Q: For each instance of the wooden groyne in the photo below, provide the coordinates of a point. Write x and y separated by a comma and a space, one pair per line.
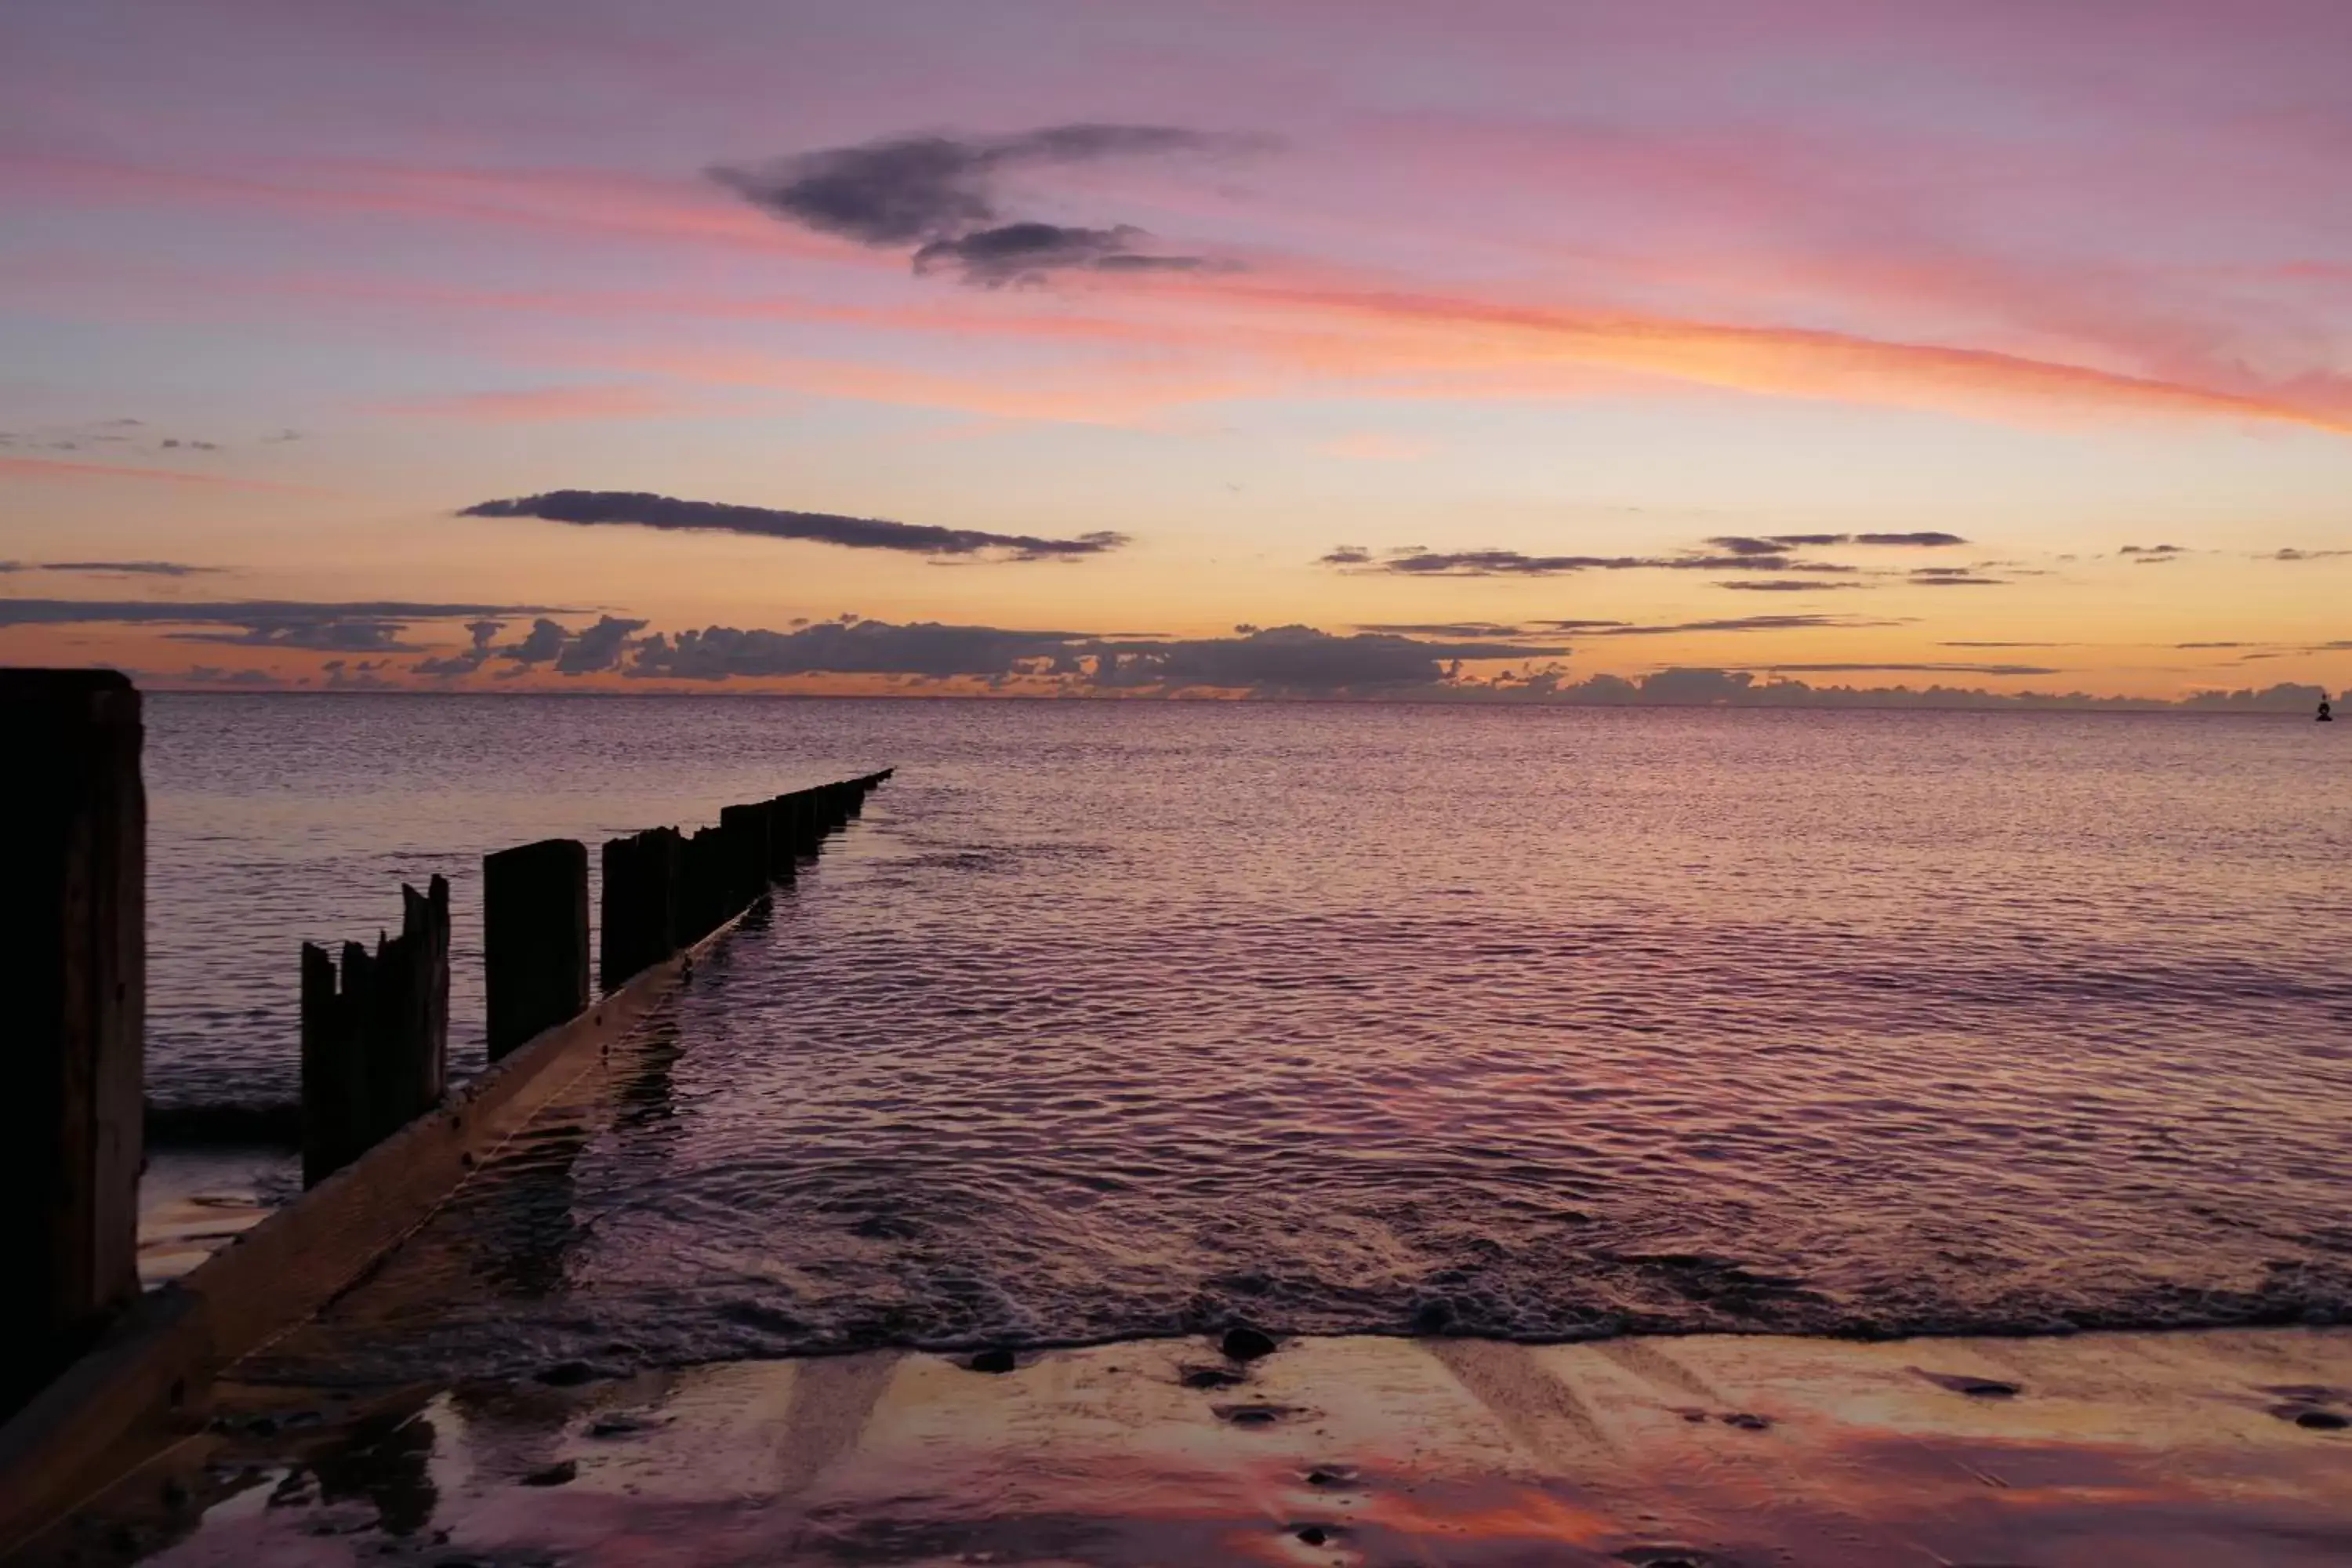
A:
97, 1374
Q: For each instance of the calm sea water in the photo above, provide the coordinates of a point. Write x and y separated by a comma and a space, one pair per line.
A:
1129, 1018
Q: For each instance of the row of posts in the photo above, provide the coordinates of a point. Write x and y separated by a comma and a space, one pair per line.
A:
73, 888
375, 1028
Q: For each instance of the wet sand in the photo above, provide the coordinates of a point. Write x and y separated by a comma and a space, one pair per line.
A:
2220, 1447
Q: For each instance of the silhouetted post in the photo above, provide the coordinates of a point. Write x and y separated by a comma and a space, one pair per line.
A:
640, 908
799, 811
745, 830
73, 854
702, 882
375, 1049
334, 1085
784, 854
534, 939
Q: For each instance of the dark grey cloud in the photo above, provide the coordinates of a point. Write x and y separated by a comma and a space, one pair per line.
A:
638, 510
2291, 553
247, 613
1449, 628
1953, 577
1745, 624
368, 626
1782, 586
1414, 560
597, 648
1018, 252
1295, 660
543, 642
863, 648
938, 198
120, 568
2008, 645
1781, 544
325, 635
483, 634
1917, 669
1683, 687
1300, 660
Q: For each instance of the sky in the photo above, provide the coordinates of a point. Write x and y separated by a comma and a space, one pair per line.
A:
1501, 348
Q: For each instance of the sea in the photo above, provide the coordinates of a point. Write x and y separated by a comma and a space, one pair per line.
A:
1114, 1019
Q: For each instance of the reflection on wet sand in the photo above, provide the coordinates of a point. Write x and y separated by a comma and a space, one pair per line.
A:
2155, 1451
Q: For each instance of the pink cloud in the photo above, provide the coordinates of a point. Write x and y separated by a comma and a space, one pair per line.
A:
543, 405
48, 469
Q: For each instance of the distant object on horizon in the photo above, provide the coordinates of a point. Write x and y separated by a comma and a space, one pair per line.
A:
2326, 714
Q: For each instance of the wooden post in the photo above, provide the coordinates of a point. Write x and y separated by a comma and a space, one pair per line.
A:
705, 885
799, 812
334, 1082
375, 1049
746, 829
640, 909
73, 854
534, 939
784, 856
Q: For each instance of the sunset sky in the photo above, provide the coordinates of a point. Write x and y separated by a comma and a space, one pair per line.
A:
1995, 344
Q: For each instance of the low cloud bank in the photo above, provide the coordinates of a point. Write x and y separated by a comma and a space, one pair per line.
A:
1469, 661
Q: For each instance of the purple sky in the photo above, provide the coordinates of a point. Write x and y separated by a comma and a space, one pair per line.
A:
290, 284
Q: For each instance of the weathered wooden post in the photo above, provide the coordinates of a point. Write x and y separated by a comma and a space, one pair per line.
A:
746, 831
534, 939
334, 1075
783, 857
799, 812
704, 880
73, 861
375, 1048
640, 908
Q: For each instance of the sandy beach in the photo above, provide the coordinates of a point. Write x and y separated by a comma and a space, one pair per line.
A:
2142, 1449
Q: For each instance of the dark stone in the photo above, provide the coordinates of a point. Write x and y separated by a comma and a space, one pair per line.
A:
1244, 1343
1209, 1377
1748, 1423
1331, 1476
553, 1475
1254, 1415
1312, 1534
1974, 1387
568, 1374
2321, 1421
994, 1360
